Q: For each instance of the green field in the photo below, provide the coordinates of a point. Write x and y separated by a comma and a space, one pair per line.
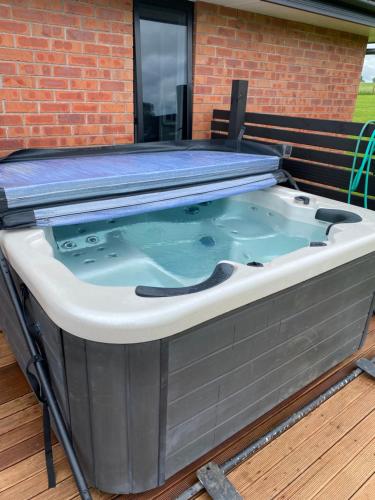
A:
366, 88
365, 105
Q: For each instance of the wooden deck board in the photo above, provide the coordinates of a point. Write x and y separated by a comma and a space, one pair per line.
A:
299, 436
321, 472
21, 417
16, 405
26, 468
12, 384
333, 462
294, 464
38, 483
7, 358
319, 456
352, 477
66, 489
366, 491
19, 434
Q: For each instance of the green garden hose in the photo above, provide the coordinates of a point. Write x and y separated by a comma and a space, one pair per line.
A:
355, 178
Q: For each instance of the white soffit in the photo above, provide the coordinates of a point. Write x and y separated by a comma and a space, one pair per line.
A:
269, 8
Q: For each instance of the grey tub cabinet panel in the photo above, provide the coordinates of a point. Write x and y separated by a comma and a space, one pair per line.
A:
115, 411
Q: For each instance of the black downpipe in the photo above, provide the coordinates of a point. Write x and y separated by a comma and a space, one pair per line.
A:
44, 382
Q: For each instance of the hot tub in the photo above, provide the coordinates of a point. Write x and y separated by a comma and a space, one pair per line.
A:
167, 332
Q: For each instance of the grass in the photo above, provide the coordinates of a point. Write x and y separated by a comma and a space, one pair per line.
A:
364, 111
365, 105
366, 88
364, 108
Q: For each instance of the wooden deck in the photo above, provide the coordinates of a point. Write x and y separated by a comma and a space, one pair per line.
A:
328, 455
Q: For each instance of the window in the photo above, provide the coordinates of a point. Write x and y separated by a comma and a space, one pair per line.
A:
163, 79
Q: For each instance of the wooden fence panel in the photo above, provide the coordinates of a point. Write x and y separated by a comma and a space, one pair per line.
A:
322, 153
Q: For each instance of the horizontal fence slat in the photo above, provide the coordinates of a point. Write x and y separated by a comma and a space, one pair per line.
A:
297, 137
217, 135
338, 159
337, 177
333, 194
298, 122
291, 136
220, 114
303, 123
219, 126
304, 153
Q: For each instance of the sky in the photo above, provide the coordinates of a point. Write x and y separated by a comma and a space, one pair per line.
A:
368, 71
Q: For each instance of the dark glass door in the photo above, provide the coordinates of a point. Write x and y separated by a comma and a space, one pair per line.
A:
163, 38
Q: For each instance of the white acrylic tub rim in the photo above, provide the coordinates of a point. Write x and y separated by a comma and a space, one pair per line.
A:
118, 315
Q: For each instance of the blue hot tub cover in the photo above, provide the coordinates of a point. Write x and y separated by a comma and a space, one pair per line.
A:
66, 186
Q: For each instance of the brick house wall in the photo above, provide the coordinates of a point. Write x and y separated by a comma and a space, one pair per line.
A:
66, 73
66, 69
292, 68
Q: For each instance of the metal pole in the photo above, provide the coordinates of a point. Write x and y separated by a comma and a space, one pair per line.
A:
237, 108
53, 407
277, 431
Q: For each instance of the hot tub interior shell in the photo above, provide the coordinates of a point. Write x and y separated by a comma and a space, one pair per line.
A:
140, 412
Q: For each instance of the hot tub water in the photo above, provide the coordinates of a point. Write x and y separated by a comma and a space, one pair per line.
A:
180, 246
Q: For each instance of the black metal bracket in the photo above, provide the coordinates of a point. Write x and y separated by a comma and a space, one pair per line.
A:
216, 484
366, 366
290, 179
287, 150
241, 133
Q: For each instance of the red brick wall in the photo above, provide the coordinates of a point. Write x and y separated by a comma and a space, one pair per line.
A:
292, 68
66, 73
66, 69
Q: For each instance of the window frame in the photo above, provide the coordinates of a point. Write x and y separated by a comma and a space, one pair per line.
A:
187, 7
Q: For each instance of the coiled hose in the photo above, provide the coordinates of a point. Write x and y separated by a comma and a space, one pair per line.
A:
355, 177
